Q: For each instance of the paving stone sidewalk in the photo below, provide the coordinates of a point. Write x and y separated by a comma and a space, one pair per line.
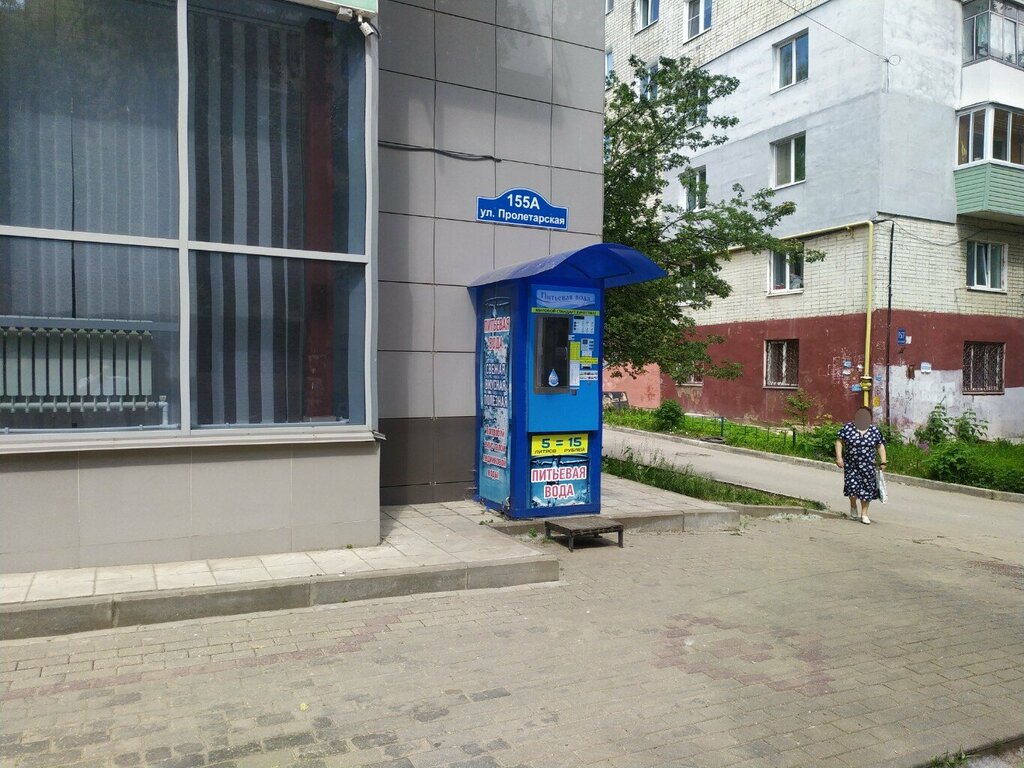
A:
424, 535
791, 644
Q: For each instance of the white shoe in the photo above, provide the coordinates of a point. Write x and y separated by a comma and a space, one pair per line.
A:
864, 519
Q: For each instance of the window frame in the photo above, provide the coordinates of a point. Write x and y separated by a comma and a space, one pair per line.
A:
771, 289
609, 64
261, 434
704, 17
777, 58
1002, 373
995, 23
970, 259
1014, 125
785, 363
609, 6
791, 141
653, 13
696, 193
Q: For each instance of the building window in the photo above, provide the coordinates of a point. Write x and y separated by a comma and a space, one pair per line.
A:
698, 17
88, 336
785, 273
275, 340
697, 190
609, 6
1008, 136
994, 29
971, 137
649, 86
96, 260
782, 363
983, 367
792, 61
646, 13
790, 160
986, 266
609, 64
695, 379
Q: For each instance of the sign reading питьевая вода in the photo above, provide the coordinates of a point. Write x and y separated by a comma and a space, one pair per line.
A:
523, 208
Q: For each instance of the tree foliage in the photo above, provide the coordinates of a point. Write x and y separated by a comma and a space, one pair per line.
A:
651, 125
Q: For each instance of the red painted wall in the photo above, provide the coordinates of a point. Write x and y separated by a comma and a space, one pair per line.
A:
825, 342
643, 392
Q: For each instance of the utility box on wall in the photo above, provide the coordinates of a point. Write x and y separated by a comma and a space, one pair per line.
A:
539, 330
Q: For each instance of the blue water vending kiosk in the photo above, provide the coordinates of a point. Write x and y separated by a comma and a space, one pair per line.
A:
539, 378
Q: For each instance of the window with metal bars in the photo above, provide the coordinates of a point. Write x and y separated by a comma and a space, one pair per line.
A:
983, 366
782, 363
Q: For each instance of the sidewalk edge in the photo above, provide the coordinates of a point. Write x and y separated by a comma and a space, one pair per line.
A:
43, 618
921, 482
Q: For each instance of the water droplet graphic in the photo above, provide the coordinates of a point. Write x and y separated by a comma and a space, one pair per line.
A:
552, 378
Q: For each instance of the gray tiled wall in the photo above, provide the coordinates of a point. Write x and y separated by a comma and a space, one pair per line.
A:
519, 80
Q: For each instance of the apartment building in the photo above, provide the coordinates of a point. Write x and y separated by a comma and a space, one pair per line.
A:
898, 131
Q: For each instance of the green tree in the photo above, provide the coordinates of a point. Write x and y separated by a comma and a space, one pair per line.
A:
651, 124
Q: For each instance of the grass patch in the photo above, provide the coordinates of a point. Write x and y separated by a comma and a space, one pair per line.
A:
690, 483
998, 465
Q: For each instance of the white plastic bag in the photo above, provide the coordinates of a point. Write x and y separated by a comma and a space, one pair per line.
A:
883, 494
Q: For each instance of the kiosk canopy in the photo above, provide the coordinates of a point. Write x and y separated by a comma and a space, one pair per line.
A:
608, 265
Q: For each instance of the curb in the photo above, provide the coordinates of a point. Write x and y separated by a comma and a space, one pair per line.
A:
921, 482
997, 748
690, 521
83, 614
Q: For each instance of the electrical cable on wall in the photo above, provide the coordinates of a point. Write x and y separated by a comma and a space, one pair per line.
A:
443, 152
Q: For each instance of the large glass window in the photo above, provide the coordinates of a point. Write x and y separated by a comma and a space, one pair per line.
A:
88, 335
90, 137
88, 116
994, 29
276, 340
277, 145
782, 363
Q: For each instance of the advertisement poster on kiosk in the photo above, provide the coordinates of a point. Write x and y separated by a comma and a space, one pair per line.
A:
495, 392
559, 470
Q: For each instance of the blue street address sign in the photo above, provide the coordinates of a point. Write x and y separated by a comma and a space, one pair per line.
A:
522, 208
901, 337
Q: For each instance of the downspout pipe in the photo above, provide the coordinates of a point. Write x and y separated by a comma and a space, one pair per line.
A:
866, 379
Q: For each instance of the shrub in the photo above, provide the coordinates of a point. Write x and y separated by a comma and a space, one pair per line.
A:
969, 427
799, 406
822, 441
668, 417
951, 463
937, 429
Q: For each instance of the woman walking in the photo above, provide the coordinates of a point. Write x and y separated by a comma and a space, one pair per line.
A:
859, 440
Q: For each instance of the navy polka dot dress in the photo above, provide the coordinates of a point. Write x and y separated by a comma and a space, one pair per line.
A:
859, 461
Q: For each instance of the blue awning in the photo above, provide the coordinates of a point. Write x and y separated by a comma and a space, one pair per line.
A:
609, 264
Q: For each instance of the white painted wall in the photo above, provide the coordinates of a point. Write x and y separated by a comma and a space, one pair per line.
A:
913, 399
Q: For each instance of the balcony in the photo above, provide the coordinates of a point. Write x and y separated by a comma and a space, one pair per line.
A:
990, 190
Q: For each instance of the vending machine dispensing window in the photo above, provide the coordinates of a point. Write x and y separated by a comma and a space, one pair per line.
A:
551, 355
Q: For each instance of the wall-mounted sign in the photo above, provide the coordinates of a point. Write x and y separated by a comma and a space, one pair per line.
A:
926, 367
565, 299
901, 337
522, 208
